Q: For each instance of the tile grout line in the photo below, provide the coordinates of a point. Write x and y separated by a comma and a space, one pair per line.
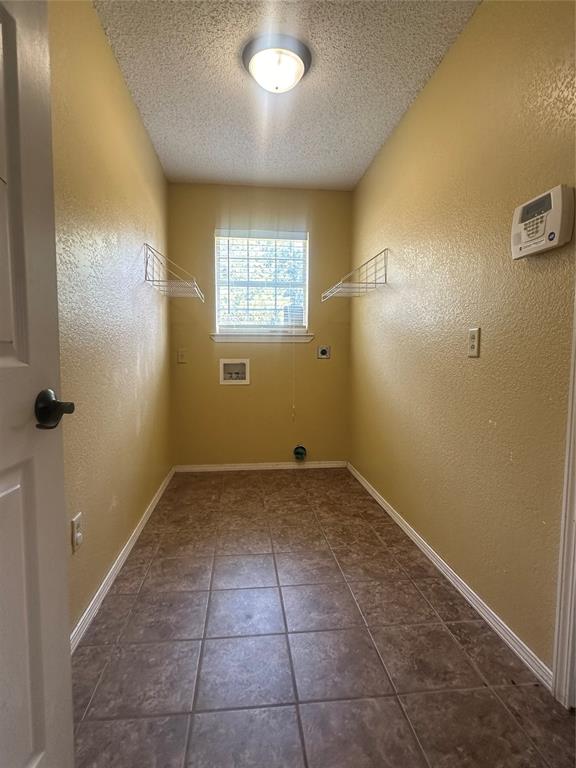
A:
199, 666
520, 725
280, 705
247, 708
392, 683
292, 670
87, 707
320, 630
398, 695
114, 645
187, 737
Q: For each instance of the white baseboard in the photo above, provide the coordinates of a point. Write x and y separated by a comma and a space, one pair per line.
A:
536, 665
96, 601
269, 465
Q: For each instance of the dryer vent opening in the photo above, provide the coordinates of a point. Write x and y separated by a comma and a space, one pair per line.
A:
299, 453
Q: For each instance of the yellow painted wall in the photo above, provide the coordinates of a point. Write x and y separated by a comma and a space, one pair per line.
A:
110, 199
214, 424
470, 451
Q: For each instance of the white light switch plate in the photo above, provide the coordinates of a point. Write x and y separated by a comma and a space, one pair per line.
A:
76, 531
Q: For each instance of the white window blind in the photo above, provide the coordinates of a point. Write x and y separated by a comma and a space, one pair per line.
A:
261, 282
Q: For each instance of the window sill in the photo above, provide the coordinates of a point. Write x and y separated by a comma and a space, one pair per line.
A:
262, 338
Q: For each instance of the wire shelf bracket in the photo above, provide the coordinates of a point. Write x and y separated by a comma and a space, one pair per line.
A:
365, 278
168, 278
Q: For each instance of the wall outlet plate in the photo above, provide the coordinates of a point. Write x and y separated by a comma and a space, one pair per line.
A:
323, 352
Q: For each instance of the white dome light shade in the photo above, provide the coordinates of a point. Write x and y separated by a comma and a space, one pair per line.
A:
276, 69
277, 62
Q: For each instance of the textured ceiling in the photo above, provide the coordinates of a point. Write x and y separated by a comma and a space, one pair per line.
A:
210, 122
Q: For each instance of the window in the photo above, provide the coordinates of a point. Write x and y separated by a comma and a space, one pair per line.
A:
261, 282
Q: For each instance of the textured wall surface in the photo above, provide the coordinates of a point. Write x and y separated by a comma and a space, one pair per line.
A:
110, 199
470, 451
226, 424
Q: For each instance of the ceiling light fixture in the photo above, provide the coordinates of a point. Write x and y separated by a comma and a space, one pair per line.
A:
277, 62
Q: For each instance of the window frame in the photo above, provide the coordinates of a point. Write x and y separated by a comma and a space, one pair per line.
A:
262, 333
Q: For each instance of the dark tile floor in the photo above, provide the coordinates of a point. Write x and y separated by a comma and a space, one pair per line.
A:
282, 620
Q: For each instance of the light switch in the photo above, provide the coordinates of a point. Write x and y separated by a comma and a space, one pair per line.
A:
76, 531
473, 342
182, 355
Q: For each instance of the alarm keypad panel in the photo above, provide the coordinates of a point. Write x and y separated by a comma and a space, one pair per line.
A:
543, 223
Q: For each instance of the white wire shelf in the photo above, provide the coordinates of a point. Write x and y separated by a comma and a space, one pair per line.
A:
365, 278
168, 278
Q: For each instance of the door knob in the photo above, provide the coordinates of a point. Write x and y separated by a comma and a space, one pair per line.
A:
49, 410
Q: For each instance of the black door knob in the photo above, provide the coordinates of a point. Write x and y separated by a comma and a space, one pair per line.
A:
49, 410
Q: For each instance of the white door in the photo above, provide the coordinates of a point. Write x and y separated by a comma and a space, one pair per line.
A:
35, 698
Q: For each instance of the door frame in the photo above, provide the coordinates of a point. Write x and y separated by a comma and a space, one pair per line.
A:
564, 663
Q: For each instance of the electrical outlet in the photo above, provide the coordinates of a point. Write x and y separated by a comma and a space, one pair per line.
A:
182, 355
76, 531
473, 342
323, 352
